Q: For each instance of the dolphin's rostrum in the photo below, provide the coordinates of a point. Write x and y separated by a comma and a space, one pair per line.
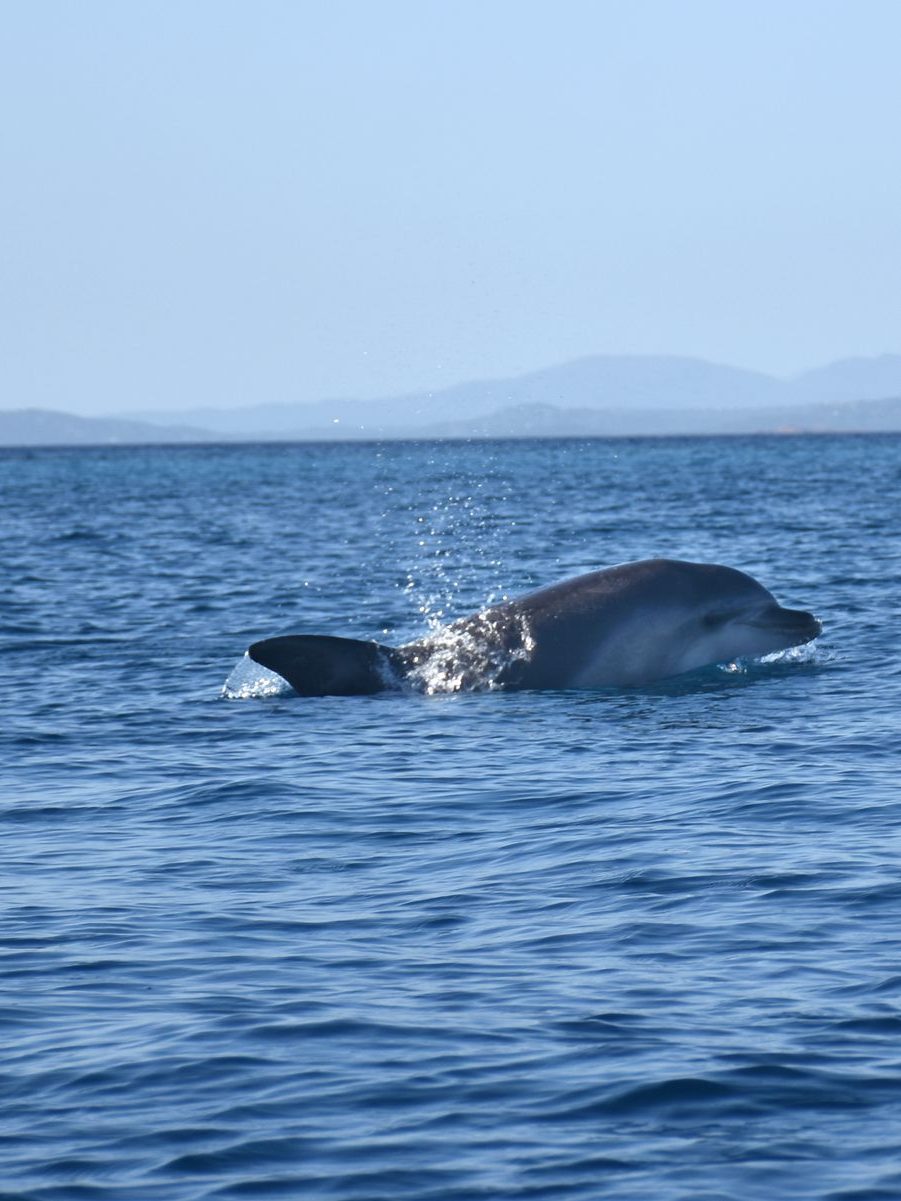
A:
621, 627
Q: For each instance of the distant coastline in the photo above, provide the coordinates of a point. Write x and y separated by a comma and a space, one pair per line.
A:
601, 397
93, 434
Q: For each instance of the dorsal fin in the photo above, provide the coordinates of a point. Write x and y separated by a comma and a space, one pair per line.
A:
320, 665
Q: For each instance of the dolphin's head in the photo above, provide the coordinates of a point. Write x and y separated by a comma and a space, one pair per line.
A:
732, 616
629, 625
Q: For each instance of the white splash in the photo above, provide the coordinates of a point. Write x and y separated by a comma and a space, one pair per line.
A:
808, 653
470, 656
248, 680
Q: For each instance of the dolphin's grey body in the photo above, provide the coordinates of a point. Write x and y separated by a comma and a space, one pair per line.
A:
621, 627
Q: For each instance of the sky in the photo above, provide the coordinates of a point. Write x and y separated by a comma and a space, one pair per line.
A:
216, 203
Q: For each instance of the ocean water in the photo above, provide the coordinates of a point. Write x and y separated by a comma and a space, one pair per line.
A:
639, 944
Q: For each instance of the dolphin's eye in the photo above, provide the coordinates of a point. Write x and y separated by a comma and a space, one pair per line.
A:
714, 620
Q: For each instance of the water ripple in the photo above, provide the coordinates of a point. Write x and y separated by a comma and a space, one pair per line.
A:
562, 945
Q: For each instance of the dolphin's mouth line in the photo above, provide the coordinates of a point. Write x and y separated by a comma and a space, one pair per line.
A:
804, 627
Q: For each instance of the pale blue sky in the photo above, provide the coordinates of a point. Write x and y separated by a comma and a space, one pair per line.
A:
230, 203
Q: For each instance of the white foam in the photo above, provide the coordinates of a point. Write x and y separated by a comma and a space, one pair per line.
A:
808, 653
248, 680
471, 658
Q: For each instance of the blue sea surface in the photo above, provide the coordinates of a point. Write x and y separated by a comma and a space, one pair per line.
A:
569, 945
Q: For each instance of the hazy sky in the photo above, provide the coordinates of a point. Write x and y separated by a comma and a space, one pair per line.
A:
226, 203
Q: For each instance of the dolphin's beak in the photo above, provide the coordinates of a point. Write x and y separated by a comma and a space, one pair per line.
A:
796, 624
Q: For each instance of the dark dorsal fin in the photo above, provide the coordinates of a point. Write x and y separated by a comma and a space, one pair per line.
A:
319, 665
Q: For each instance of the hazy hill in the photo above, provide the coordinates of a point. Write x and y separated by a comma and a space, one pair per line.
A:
44, 427
621, 383
598, 396
47, 427
876, 416
849, 379
599, 382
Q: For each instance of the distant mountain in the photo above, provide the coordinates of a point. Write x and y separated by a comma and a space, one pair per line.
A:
599, 382
849, 379
537, 421
549, 421
42, 427
603, 396
46, 427
627, 384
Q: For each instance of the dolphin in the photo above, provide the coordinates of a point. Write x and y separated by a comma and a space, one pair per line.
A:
621, 627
